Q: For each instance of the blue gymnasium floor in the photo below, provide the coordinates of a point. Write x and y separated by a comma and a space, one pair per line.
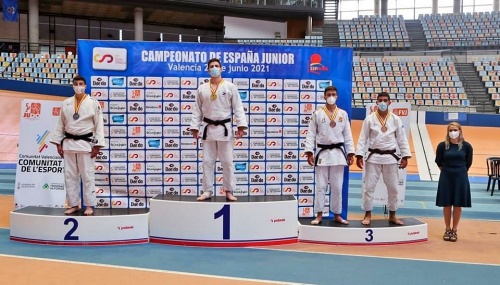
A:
289, 266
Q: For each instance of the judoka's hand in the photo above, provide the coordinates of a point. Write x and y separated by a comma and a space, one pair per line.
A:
60, 150
195, 133
310, 158
95, 151
359, 161
240, 132
404, 163
350, 159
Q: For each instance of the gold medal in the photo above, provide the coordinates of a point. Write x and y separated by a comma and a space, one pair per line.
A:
213, 97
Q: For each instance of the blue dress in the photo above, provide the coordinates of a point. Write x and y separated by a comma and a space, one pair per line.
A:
454, 188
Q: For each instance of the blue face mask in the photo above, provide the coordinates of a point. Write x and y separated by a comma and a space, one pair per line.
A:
382, 106
214, 72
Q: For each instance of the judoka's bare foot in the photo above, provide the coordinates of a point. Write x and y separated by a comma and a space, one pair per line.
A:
88, 211
230, 196
396, 221
367, 219
338, 219
71, 210
206, 195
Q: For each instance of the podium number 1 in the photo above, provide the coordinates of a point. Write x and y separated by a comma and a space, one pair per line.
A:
225, 214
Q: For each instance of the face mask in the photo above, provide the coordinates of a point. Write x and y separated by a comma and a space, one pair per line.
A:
382, 106
454, 134
331, 100
79, 89
215, 72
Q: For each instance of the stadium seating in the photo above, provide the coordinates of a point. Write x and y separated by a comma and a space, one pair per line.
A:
377, 32
430, 81
422, 81
489, 71
41, 68
307, 41
468, 30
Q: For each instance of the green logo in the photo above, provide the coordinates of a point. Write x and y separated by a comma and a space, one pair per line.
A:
45, 186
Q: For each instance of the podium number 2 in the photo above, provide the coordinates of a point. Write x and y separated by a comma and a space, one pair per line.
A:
69, 235
225, 214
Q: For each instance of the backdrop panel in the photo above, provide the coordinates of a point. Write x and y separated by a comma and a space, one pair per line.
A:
147, 90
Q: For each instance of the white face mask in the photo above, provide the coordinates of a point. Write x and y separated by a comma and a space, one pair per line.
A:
214, 72
79, 89
331, 100
382, 106
454, 134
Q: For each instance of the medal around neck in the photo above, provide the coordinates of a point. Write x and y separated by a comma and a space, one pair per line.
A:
76, 116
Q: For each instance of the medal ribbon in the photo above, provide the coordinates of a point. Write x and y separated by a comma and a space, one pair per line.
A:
77, 106
331, 116
214, 92
383, 122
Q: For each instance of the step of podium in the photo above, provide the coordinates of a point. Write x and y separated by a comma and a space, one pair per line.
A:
379, 232
43, 225
250, 221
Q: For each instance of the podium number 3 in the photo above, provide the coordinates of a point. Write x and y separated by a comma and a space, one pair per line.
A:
369, 234
69, 235
225, 214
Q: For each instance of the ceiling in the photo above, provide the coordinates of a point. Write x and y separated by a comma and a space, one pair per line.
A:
201, 14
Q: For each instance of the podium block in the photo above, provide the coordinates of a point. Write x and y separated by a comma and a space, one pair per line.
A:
379, 232
43, 225
250, 221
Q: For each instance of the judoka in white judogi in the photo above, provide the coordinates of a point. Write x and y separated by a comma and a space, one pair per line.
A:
381, 133
216, 103
79, 135
330, 133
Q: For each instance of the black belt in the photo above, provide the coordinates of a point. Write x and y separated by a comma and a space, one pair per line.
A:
85, 137
324, 147
378, 151
216, 123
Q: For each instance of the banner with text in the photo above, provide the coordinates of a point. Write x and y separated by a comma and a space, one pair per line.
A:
40, 169
147, 90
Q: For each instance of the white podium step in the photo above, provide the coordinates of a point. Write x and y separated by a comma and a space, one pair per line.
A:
380, 232
250, 221
42, 225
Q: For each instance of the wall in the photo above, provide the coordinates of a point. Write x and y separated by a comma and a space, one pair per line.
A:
240, 28
297, 27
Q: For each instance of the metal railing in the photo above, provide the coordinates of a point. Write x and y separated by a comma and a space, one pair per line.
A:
304, 3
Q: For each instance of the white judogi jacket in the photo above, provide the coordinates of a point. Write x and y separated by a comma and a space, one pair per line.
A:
228, 101
90, 121
372, 137
320, 132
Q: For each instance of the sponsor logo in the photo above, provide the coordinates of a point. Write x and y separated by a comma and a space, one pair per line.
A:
315, 65
32, 111
109, 58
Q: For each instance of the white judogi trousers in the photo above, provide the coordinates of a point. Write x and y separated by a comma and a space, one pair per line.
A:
333, 175
76, 165
389, 175
224, 151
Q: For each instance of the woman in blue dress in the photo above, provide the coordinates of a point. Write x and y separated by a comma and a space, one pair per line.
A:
454, 158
